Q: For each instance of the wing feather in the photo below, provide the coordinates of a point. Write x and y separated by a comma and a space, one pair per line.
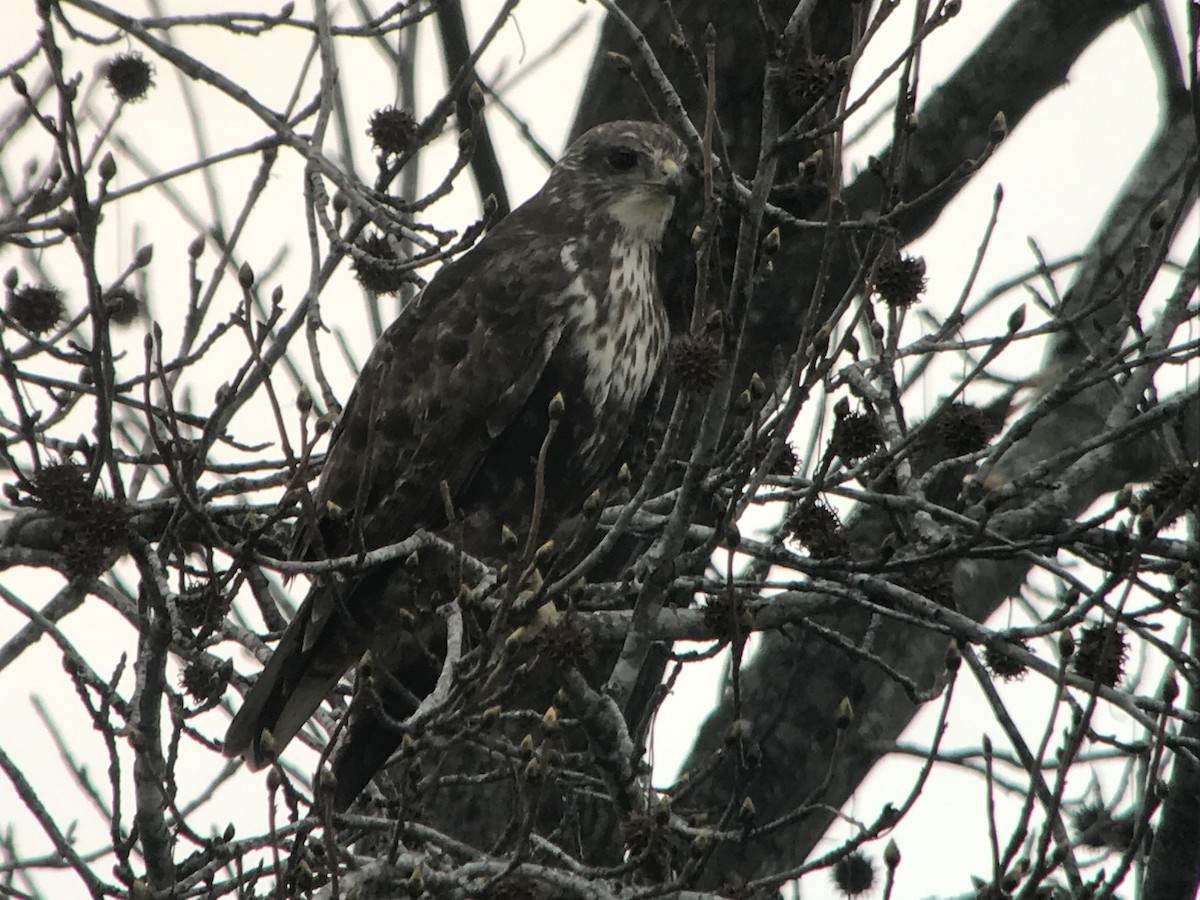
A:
441, 384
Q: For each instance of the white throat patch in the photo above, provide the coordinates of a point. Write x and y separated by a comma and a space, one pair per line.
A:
642, 215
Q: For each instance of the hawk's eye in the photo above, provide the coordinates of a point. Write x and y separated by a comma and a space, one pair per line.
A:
622, 159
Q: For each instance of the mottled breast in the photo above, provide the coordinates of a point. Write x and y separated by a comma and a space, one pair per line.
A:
617, 327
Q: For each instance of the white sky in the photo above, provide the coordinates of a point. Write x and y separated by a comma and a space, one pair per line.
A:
1059, 169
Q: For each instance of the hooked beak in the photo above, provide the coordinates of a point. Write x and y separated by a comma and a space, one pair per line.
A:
672, 177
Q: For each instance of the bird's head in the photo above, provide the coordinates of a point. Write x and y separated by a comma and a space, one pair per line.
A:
628, 171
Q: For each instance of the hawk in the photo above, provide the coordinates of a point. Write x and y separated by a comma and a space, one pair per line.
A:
558, 300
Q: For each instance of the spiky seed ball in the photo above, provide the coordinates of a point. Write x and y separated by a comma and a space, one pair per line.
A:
60, 489
36, 307
642, 832
107, 520
1175, 491
785, 461
1096, 826
202, 604
855, 435
810, 77
1101, 654
1003, 663
204, 680
122, 305
964, 428
817, 527
727, 616
193, 606
129, 76
853, 874
375, 267
564, 642
83, 557
98, 534
392, 130
900, 280
697, 360
933, 581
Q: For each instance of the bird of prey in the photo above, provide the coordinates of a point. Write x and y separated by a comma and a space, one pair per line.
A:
559, 298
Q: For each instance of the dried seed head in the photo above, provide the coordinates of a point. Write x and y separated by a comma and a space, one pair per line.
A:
964, 428
697, 360
933, 581
204, 679
1096, 826
392, 130
1174, 492
728, 617
36, 307
60, 489
83, 558
785, 461
201, 604
809, 78
129, 76
121, 305
855, 435
376, 266
564, 642
1004, 664
900, 280
1101, 654
815, 525
853, 874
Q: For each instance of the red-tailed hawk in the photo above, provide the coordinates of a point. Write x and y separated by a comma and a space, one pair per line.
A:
559, 298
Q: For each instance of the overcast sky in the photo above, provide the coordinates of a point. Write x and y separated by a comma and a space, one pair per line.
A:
1099, 124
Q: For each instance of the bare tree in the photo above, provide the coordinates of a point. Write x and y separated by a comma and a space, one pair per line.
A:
164, 415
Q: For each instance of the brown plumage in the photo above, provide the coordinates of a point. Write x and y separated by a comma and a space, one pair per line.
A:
560, 296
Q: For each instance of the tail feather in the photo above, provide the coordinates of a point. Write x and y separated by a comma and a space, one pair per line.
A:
334, 626
307, 664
